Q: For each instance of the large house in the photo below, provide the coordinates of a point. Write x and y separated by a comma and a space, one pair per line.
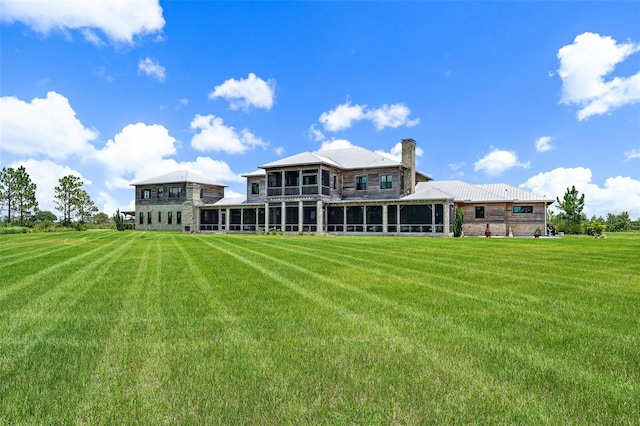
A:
340, 191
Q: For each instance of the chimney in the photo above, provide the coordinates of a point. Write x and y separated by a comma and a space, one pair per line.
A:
409, 163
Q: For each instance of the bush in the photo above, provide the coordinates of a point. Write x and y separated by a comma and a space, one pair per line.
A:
457, 223
14, 230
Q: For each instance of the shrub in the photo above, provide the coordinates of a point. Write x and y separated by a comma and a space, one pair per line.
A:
457, 223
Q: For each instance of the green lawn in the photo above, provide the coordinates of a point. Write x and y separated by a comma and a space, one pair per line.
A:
165, 328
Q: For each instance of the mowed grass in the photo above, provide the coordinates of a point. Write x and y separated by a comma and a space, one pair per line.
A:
165, 328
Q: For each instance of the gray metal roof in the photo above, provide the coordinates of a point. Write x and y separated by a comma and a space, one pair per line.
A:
181, 176
259, 172
304, 158
231, 201
465, 192
344, 158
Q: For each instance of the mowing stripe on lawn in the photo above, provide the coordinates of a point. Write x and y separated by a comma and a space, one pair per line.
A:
42, 274
27, 327
465, 371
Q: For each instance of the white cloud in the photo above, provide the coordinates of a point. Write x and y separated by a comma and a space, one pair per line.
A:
583, 66
543, 144
497, 162
395, 153
245, 93
279, 151
315, 134
213, 135
335, 144
119, 20
136, 146
46, 174
456, 166
394, 116
152, 68
46, 127
344, 115
634, 153
617, 195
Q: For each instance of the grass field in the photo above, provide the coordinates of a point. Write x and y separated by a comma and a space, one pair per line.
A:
164, 328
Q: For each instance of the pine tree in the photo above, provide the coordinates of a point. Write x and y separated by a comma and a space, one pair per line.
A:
67, 197
18, 192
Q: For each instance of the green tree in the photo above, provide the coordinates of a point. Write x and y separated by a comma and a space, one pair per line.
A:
18, 192
571, 215
119, 221
101, 218
457, 223
617, 223
86, 207
42, 216
67, 197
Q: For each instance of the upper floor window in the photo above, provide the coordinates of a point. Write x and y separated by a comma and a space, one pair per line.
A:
291, 178
325, 178
386, 182
275, 180
310, 179
335, 182
523, 209
160, 192
255, 188
201, 193
479, 212
175, 192
145, 194
361, 182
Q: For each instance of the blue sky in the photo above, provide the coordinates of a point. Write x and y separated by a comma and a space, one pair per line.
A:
542, 95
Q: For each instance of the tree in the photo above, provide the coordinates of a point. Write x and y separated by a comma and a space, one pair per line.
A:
101, 218
42, 216
67, 197
86, 207
617, 223
18, 192
119, 221
457, 223
571, 215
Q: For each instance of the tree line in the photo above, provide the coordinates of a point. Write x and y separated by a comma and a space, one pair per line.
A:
572, 220
18, 196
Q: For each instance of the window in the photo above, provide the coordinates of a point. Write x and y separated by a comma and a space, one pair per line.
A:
523, 209
479, 212
335, 182
175, 192
160, 192
361, 183
148, 218
291, 178
386, 182
159, 217
255, 188
275, 180
141, 218
325, 178
145, 194
201, 193
178, 218
310, 179
169, 217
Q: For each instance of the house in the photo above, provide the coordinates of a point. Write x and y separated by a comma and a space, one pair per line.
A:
340, 191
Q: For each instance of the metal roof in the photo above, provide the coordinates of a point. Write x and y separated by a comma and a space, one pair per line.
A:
344, 158
181, 176
231, 201
465, 192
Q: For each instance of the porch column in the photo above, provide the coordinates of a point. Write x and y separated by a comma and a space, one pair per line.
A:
447, 220
300, 214
227, 219
319, 217
385, 220
283, 216
266, 217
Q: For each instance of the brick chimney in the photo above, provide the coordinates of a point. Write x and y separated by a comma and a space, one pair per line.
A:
409, 162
